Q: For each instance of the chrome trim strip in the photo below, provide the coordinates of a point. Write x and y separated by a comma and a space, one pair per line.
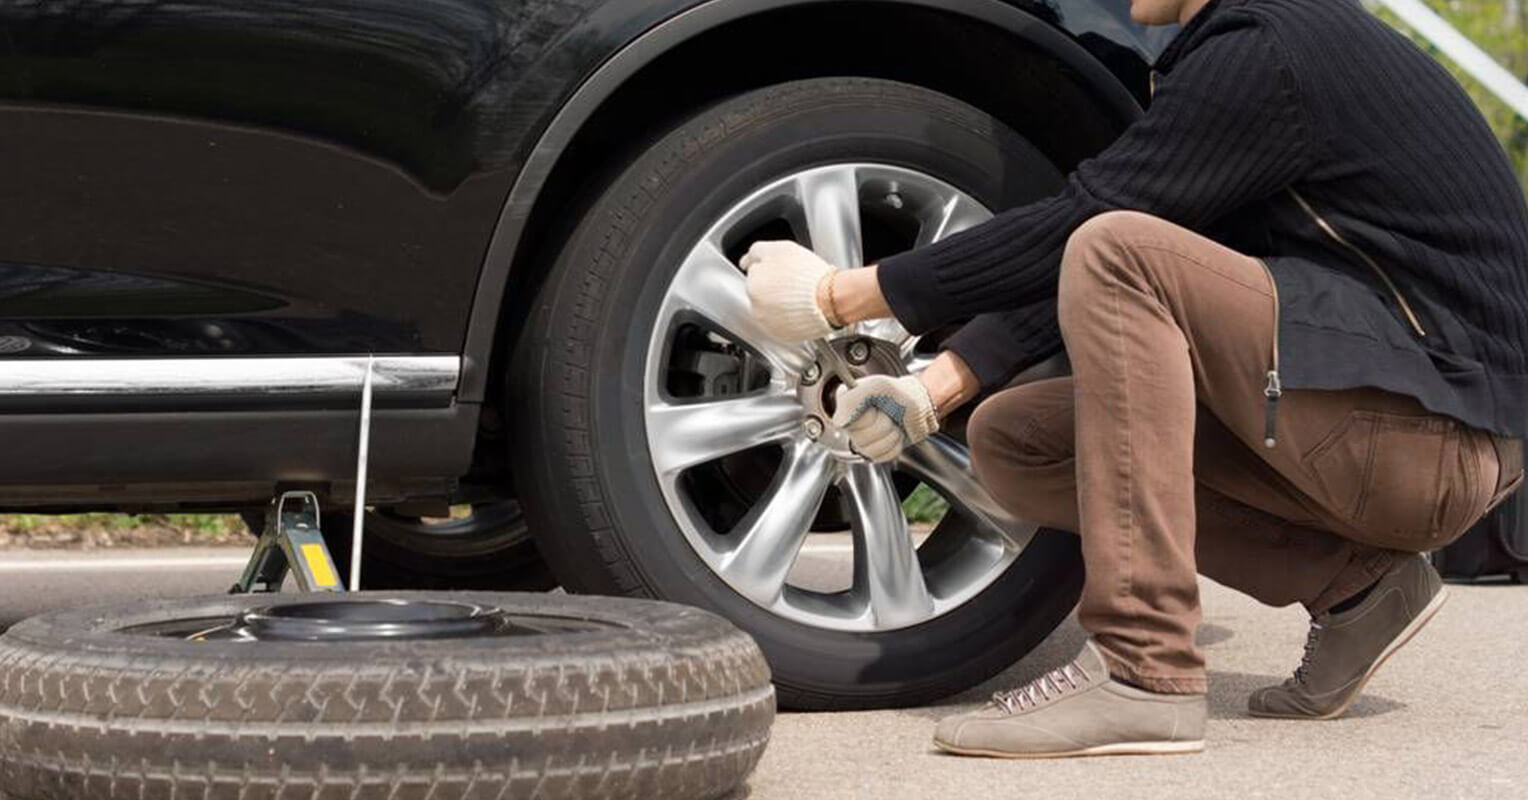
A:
275, 375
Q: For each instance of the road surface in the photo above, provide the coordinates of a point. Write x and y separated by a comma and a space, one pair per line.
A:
1446, 718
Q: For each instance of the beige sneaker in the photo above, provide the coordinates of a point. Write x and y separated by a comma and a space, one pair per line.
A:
1344, 650
1077, 710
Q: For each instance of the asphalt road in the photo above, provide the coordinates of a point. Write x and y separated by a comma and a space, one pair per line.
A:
1446, 718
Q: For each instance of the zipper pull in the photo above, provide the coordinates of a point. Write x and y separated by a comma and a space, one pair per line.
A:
1273, 391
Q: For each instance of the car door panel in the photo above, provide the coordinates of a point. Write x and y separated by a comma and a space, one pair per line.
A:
255, 176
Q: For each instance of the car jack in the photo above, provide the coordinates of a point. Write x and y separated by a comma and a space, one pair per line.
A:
291, 539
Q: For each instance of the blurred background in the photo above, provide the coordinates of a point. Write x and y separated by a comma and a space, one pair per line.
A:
1500, 27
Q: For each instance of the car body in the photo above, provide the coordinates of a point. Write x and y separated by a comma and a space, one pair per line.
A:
197, 193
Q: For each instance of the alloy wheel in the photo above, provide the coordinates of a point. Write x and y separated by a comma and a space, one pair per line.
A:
739, 425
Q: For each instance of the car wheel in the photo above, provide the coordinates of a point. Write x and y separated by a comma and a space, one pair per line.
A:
402, 694
669, 448
483, 546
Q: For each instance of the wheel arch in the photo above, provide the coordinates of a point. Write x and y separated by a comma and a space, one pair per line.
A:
602, 120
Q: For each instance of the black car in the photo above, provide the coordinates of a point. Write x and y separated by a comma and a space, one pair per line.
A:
525, 215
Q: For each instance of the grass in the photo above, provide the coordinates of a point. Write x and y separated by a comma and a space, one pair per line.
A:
120, 530
924, 506
212, 524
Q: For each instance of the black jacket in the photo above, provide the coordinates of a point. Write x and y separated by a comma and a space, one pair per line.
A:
1310, 134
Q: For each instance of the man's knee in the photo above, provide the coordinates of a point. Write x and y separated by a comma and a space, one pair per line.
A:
1021, 449
1096, 253
1017, 430
987, 435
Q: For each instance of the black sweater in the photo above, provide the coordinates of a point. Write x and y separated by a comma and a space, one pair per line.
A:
1271, 121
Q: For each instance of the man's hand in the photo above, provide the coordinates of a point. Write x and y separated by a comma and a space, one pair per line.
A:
884, 415
783, 281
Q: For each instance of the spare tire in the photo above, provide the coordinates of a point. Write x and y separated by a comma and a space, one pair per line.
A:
381, 694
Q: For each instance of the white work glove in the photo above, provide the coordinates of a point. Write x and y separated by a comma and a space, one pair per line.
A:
782, 285
884, 415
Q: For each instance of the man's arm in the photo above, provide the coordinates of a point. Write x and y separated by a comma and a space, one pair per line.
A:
998, 345
1224, 129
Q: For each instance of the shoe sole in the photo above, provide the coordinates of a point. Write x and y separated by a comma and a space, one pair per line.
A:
1119, 749
1395, 644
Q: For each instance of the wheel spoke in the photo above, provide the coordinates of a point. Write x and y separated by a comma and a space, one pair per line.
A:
682, 435
955, 215
889, 330
830, 201
712, 286
773, 532
946, 465
918, 362
888, 571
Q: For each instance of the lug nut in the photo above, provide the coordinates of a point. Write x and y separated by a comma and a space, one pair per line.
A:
811, 374
859, 352
813, 427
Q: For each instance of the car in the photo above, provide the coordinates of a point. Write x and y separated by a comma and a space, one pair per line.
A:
522, 219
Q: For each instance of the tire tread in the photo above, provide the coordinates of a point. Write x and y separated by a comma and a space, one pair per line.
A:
680, 718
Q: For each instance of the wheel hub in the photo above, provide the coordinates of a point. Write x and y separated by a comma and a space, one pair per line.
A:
818, 384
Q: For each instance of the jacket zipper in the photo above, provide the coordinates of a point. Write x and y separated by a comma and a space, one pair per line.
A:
1274, 389
1395, 291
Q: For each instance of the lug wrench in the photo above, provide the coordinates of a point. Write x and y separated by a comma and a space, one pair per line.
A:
835, 362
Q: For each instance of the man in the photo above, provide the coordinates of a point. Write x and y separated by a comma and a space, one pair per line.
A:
1295, 299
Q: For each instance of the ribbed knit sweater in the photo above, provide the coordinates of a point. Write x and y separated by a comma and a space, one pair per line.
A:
1273, 125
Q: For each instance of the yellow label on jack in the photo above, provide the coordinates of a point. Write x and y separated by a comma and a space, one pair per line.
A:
318, 564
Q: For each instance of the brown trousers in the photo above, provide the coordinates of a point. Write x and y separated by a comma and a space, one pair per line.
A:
1153, 449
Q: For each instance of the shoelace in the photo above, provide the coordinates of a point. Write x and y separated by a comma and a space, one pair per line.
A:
1312, 641
1051, 684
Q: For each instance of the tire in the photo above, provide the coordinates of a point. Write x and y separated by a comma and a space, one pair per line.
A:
582, 454
633, 699
490, 550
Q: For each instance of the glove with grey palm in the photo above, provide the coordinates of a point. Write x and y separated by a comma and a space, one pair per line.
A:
885, 415
783, 278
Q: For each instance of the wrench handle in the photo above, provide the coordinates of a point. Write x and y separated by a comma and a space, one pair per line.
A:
835, 362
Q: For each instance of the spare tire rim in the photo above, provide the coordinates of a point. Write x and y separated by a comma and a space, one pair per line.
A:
781, 400
363, 619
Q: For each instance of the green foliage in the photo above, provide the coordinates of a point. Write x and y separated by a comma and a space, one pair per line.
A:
1499, 27
924, 505
195, 526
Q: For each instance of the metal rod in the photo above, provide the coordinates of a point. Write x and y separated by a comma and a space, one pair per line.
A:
834, 362
358, 528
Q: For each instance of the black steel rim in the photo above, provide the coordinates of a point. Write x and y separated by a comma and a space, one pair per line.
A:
346, 620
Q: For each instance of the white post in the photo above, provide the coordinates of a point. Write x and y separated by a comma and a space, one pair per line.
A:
357, 527
1470, 58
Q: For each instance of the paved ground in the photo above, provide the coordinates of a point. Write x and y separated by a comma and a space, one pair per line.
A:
34, 581
1447, 718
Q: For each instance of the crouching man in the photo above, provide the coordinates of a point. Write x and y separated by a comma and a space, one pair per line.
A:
1294, 295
